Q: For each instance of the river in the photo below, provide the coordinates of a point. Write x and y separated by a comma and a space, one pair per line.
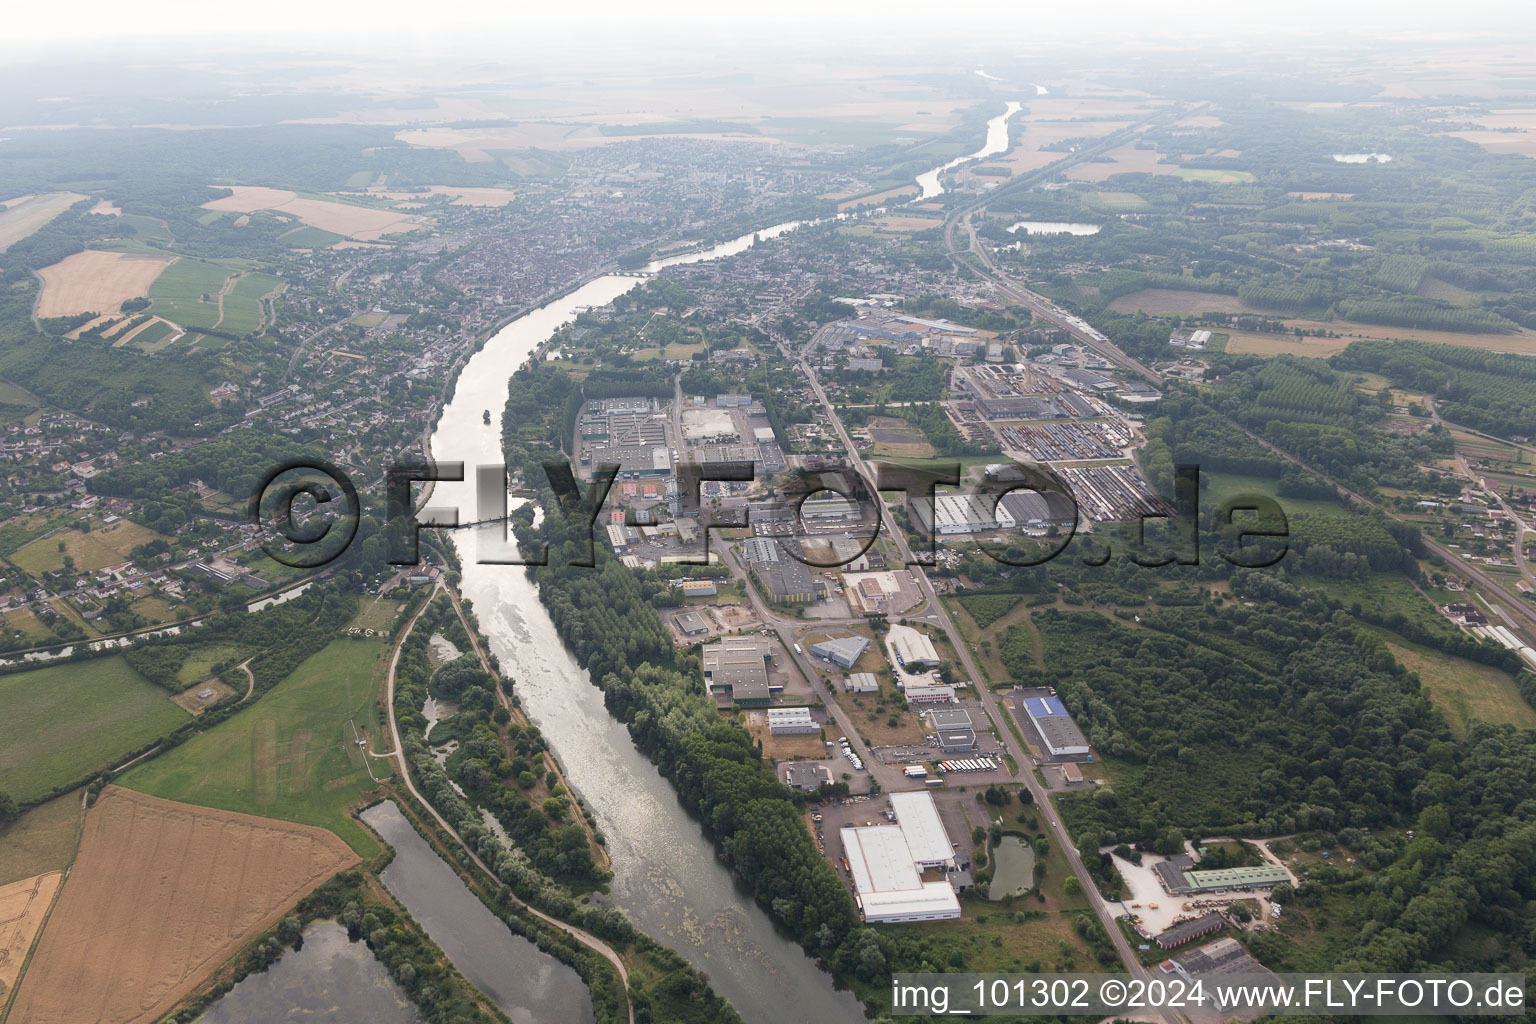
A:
930, 183
666, 876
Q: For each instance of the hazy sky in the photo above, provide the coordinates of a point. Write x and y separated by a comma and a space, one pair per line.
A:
487, 24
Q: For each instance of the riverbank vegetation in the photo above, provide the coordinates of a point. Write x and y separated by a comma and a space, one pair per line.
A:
542, 845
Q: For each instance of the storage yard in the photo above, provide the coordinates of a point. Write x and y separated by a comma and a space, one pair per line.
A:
1115, 494
1063, 442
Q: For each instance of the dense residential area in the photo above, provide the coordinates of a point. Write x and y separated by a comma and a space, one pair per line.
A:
604, 543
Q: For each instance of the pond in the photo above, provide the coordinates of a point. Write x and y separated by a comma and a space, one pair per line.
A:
528, 985
329, 981
1055, 227
1013, 868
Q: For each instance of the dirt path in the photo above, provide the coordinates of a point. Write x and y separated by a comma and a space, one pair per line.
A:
224, 289
250, 679
586, 939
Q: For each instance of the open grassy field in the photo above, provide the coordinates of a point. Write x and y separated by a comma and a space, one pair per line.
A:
97, 282
130, 937
364, 223
203, 656
1464, 690
1213, 176
24, 215
66, 721
292, 754
892, 195
1157, 301
1520, 342
42, 839
877, 731
1267, 344
1119, 201
104, 545
1219, 486
188, 293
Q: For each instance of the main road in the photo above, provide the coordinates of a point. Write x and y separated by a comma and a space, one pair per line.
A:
933, 611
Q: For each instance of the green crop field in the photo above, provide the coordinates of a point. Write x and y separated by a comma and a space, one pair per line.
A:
155, 336
291, 755
242, 306
310, 237
187, 292
64, 722
1213, 177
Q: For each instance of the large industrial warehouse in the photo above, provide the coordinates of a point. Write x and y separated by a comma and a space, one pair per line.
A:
1060, 734
887, 862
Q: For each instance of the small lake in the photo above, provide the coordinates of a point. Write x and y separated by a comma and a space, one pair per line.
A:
1055, 227
329, 981
1013, 868
528, 985
1362, 158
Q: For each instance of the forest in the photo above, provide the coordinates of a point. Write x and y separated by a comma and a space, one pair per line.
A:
1492, 391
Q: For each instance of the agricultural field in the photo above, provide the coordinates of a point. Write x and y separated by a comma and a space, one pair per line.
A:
243, 304
151, 335
65, 722
1126, 159
1030, 154
1119, 201
191, 293
459, 195
363, 223
129, 939
102, 546
1158, 301
307, 237
1212, 176
23, 906
1267, 344
43, 839
890, 195
292, 754
24, 215
1263, 343
94, 281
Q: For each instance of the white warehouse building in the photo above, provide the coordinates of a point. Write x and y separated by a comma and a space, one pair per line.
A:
786, 721
887, 862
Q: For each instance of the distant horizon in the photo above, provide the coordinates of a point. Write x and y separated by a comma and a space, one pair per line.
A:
484, 28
